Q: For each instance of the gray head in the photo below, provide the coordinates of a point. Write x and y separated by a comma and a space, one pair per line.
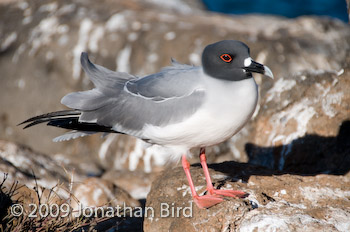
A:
230, 60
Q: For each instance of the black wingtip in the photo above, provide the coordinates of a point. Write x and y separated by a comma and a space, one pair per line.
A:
47, 117
31, 124
21, 123
26, 121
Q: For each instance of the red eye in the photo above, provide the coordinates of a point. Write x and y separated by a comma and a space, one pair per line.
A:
226, 57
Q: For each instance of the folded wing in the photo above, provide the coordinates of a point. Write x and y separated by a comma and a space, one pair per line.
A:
127, 103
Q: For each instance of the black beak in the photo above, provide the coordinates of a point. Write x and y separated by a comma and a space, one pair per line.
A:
258, 68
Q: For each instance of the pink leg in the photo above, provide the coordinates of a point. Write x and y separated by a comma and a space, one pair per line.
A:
210, 188
205, 201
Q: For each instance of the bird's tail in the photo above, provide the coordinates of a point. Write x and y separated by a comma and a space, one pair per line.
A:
59, 118
68, 119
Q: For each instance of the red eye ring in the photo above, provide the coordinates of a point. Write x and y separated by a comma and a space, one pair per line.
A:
226, 58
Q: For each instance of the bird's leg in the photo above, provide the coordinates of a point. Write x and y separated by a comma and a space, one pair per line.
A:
210, 188
205, 201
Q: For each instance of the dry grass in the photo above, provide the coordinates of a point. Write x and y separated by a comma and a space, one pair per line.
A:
61, 221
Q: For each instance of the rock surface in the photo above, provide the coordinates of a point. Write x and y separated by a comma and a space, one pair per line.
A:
276, 201
95, 192
41, 179
306, 120
30, 167
137, 183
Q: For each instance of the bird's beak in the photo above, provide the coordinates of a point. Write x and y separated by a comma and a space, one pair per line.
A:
252, 66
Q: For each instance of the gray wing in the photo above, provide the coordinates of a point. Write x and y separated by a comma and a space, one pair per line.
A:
127, 103
176, 81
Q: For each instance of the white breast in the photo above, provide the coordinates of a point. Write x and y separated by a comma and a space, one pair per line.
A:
227, 108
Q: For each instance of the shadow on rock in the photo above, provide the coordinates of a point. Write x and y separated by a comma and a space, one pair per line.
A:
308, 155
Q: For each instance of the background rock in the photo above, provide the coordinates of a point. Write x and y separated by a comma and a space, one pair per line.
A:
94, 192
38, 174
137, 183
32, 168
306, 119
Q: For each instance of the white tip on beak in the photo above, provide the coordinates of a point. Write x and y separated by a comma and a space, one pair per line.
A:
268, 72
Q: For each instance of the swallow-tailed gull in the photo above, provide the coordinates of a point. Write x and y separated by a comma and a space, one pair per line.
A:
181, 107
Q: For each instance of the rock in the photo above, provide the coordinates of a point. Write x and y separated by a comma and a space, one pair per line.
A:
37, 173
46, 37
96, 192
137, 183
37, 195
31, 178
34, 169
276, 201
303, 124
123, 152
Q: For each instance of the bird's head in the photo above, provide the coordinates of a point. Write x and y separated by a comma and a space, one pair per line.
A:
230, 60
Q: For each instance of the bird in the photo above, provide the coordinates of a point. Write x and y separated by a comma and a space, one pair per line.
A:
178, 108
